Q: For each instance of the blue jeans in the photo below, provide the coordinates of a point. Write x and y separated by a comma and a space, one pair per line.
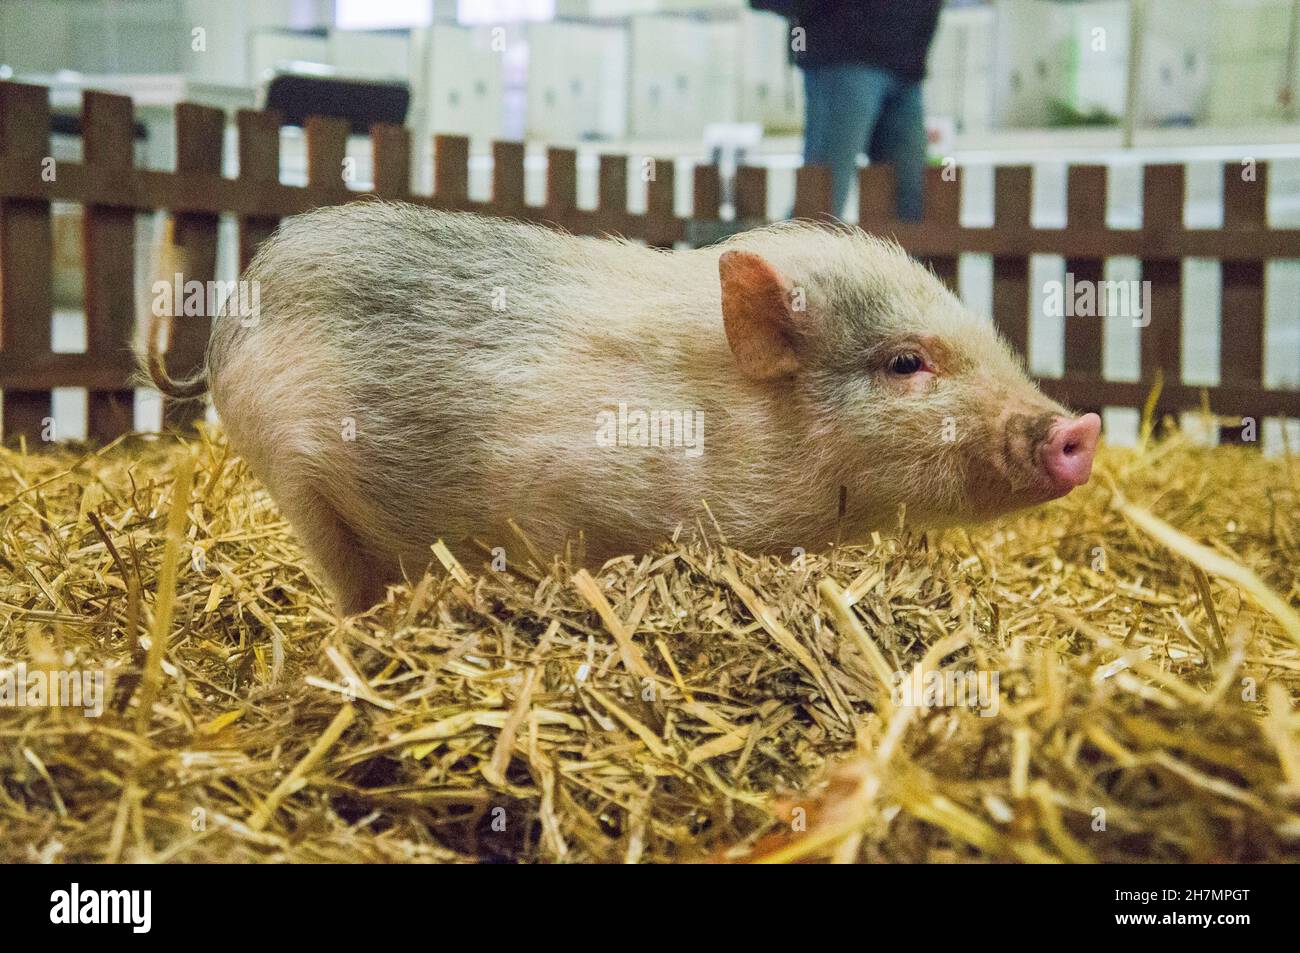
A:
849, 108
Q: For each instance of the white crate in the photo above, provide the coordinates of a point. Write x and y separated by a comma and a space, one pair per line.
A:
959, 84
770, 87
467, 82
683, 76
374, 54
1247, 60
577, 81
130, 37
1272, 21
1077, 56
1049, 53
1237, 28
1175, 80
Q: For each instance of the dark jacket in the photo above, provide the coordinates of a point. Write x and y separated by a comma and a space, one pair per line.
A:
893, 34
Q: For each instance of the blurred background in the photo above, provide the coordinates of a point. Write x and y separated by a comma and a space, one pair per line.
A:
1040, 82
662, 76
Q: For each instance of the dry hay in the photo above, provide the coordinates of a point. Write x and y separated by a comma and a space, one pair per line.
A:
697, 704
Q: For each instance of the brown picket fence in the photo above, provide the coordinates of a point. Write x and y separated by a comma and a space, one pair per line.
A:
111, 191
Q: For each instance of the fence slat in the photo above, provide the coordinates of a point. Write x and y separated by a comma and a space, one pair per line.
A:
942, 210
259, 167
611, 195
1241, 321
751, 193
561, 185
1163, 191
390, 152
199, 140
661, 193
507, 178
151, 189
109, 251
1245, 195
812, 192
707, 193
26, 251
327, 147
1012, 189
1226, 400
1085, 202
451, 171
876, 186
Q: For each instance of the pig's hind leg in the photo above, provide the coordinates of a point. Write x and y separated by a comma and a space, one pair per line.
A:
355, 580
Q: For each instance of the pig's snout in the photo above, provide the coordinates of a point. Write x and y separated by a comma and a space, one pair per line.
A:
1067, 452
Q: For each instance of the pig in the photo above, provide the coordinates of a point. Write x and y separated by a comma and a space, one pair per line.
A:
416, 375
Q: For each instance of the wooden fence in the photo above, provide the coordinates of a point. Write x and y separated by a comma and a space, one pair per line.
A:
112, 191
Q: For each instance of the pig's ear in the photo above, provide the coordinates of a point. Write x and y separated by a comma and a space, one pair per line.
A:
758, 316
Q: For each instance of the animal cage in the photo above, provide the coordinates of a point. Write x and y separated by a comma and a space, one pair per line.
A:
111, 190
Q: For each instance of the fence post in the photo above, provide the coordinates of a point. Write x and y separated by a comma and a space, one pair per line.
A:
1163, 191
661, 226
812, 192
942, 213
611, 201
107, 135
327, 149
876, 207
507, 179
390, 152
259, 171
1241, 315
706, 193
26, 251
1011, 300
751, 194
561, 186
451, 171
1085, 202
199, 139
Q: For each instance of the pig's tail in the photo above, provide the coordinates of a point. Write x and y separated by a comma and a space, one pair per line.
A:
169, 263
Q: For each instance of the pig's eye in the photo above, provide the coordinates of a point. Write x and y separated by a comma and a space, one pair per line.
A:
904, 364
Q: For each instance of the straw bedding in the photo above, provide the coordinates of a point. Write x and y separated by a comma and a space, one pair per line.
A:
695, 704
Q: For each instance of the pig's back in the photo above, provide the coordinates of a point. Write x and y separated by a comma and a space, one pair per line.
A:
381, 275
414, 354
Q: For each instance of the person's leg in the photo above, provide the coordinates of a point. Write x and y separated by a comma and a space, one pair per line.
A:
816, 111
899, 137
841, 106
